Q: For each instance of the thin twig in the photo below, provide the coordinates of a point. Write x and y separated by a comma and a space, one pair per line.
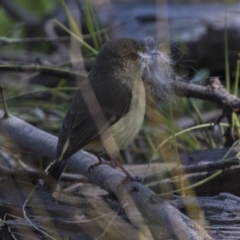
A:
53, 71
205, 167
34, 175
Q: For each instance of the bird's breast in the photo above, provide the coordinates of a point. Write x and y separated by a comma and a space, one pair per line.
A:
123, 132
127, 128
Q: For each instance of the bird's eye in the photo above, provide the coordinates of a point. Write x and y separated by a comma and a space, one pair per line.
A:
133, 56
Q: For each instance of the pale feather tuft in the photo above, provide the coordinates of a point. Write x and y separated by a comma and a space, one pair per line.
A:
157, 68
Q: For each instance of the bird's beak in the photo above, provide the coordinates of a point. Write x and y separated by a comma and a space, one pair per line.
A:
156, 67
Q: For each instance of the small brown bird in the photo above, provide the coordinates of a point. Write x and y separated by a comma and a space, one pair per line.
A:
108, 110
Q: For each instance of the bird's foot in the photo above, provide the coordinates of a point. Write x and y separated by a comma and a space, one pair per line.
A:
98, 164
137, 179
131, 178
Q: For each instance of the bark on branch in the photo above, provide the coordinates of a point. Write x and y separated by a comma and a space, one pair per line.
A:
139, 197
214, 92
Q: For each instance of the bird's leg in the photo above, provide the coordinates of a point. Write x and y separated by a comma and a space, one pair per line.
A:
128, 176
100, 162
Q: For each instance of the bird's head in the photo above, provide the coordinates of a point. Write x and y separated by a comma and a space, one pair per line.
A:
138, 60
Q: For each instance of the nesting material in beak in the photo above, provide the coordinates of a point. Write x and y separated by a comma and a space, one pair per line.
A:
157, 69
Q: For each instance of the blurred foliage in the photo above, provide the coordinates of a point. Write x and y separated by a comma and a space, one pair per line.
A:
39, 8
7, 22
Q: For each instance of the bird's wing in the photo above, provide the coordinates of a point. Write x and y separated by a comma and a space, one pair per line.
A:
90, 115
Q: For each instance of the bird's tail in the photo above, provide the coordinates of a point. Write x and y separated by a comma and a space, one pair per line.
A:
54, 173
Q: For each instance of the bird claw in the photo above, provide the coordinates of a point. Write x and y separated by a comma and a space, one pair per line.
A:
129, 179
98, 164
137, 179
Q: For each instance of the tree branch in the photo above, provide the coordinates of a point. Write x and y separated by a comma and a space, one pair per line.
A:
139, 197
214, 92
203, 167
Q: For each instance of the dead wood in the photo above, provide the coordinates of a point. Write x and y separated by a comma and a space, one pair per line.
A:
214, 92
157, 211
86, 217
220, 228
138, 197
